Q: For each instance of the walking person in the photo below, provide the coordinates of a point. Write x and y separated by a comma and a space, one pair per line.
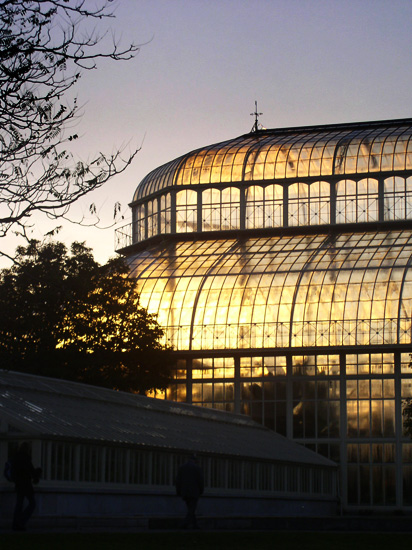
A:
24, 474
189, 486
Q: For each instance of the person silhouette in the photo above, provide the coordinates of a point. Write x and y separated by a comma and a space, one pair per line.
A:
189, 486
24, 474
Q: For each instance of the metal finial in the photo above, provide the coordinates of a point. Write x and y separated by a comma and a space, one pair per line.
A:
255, 127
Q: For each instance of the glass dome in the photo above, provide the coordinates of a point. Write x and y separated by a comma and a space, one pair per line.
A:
289, 153
322, 175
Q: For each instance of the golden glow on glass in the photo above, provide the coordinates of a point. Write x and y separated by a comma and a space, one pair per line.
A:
357, 201
281, 291
309, 204
370, 401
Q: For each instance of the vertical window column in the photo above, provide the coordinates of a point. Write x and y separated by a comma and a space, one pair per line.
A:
333, 203
381, 200
343, 460
263, 391
371, 435
285, 206
405, 432
145, 224
189, 381
139, 230
165, 210
237, 385
398, 431
186, 211
289, 396
173, 213
242, 201
199, 211
152, 218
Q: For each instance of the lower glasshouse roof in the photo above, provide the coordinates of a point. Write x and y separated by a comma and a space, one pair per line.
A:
49, 408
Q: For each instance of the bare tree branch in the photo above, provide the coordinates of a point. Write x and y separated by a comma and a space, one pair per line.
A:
44, 46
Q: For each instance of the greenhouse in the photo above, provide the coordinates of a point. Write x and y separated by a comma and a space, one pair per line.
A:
109, 454
278, 264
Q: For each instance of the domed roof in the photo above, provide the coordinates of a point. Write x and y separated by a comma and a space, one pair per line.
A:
286, 153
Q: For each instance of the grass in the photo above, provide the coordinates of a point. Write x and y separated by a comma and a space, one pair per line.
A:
222, 540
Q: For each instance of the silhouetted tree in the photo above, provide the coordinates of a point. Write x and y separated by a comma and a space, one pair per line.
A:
64, 315
44, 46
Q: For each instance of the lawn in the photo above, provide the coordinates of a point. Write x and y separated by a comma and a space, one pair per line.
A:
222, 540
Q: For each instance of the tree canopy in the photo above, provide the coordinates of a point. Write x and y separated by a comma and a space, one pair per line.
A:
44, 47
66, 316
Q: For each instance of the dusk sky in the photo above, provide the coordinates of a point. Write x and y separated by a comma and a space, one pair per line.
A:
202, 65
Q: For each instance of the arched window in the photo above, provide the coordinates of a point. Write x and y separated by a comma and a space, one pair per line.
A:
319, 203
357, 201
255, 207
298, 204
220, 209
139, 216
309, 204
211, 210
152, 218
165, 213
264, 206
397, 198
230, 200
186, 211
273, 206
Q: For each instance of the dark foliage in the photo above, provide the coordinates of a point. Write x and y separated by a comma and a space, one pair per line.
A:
66, 316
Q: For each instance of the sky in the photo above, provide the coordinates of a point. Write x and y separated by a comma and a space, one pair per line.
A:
203, 64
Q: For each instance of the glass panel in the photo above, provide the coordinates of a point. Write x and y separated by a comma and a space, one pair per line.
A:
152, 218
397, 199
255, 207
357, 201
298, 204
319, 206
165, 213
221, 209
316, 409
186, 211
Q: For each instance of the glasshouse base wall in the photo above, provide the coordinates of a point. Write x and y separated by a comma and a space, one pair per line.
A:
86, 503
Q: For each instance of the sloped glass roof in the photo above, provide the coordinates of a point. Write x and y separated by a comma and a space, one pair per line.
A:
280, 291
290, 153
45, 407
